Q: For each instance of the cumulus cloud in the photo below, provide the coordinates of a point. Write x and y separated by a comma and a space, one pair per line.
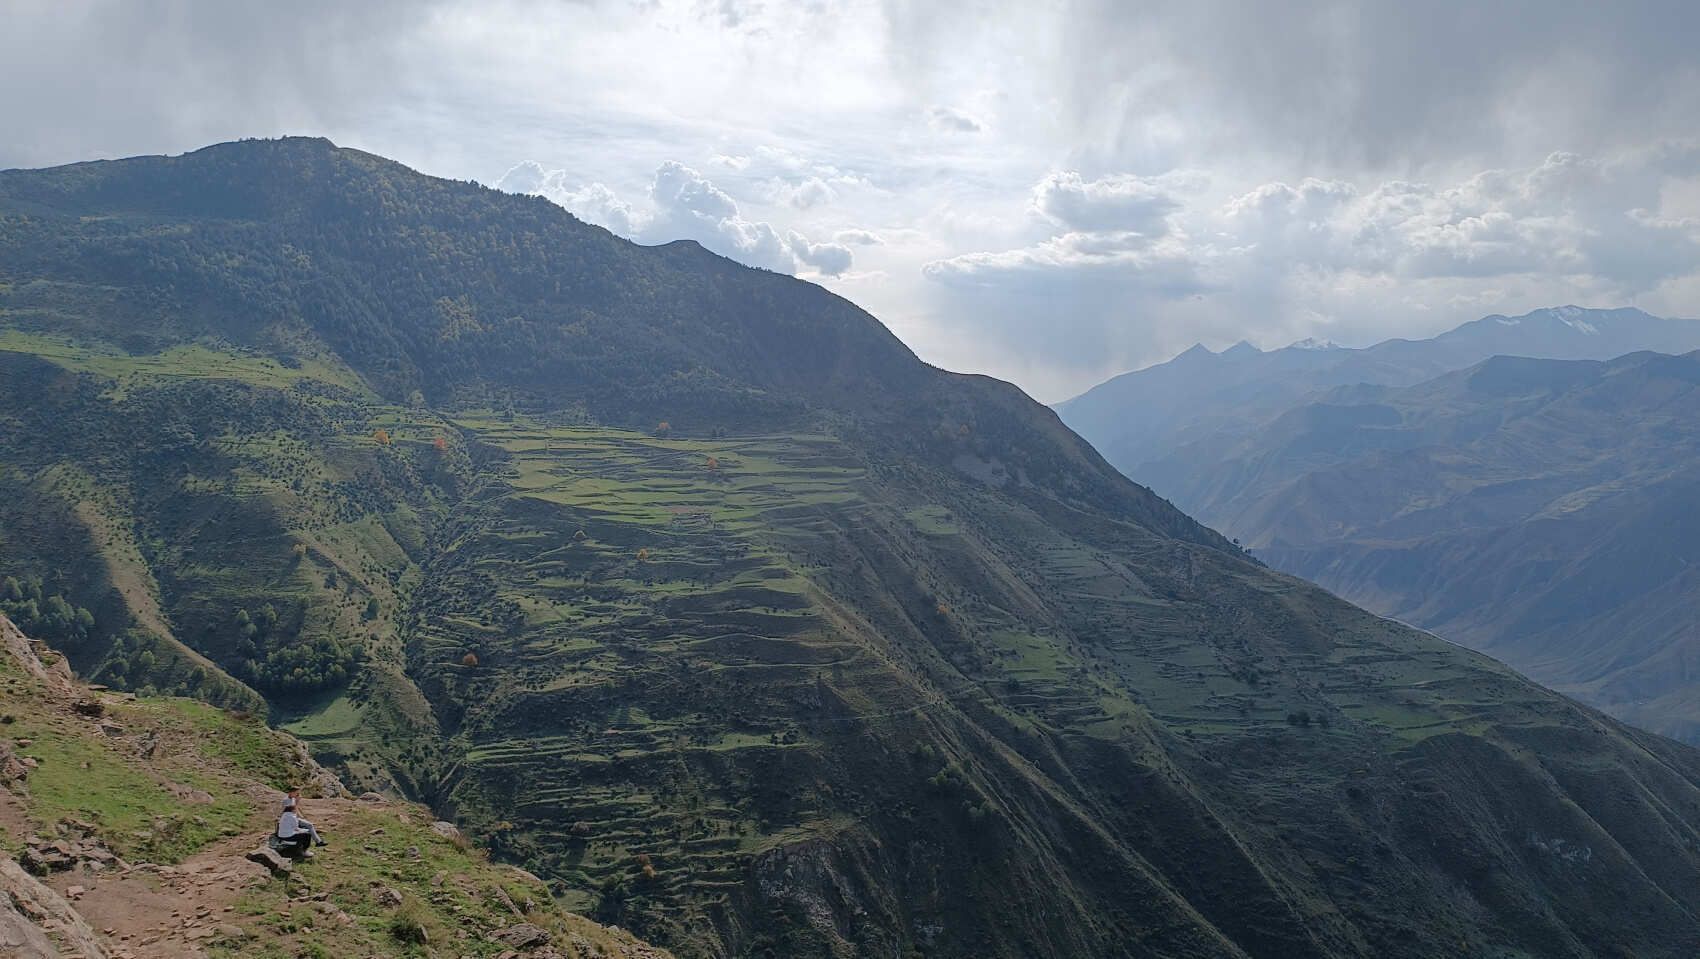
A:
684, 204
1123, 203
828, 259
681, 192
1566, 216
813, 191
1130, 257
593, 203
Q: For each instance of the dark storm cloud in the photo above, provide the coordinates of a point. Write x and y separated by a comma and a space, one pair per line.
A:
89, 78
1347, 84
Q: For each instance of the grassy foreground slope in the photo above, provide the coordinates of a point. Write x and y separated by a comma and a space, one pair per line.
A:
689, 587
159, 799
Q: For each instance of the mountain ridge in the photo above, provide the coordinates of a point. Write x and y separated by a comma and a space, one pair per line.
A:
688, 588
1138, 418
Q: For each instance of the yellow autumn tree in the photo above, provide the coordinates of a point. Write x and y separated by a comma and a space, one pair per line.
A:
382, 436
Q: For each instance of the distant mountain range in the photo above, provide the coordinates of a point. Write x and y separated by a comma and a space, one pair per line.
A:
1138, 419
1546, 511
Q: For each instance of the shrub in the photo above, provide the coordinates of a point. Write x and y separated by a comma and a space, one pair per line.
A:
408, 924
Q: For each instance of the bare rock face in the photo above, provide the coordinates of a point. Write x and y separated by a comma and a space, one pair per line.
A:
13, 768
32, 916
523, 936
445, 829
20, 937
16, 646
321, 782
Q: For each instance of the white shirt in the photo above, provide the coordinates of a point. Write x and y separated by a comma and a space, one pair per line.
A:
288, 825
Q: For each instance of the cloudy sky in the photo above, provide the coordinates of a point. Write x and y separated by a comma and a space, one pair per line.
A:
1051, 192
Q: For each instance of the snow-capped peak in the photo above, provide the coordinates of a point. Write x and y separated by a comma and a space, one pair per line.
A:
1571, 316
1312, 343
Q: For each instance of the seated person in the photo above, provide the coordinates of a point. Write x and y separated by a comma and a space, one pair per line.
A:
296, 836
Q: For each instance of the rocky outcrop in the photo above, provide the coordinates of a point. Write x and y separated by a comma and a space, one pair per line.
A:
14, 769
271, 859
75, 845
16, 647
37, 923
523, 936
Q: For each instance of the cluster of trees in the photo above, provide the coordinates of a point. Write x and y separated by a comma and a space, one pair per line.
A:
270, 662
141, 662
45, 616
308, 667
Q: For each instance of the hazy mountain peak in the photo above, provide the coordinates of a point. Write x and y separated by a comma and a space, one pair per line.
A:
1139, 420
1312, 343
1575, 318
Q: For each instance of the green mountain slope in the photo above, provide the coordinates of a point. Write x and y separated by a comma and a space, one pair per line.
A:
1539, 510
691, 588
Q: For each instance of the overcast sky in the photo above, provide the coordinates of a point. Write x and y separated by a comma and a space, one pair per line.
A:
1050, 192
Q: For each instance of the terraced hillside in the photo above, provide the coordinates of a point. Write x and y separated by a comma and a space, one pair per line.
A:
691, 588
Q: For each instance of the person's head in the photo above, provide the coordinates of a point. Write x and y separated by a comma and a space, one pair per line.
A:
289, 803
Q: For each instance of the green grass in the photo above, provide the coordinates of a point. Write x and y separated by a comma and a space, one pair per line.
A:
933, 520
143, 809
336, 720
192, 361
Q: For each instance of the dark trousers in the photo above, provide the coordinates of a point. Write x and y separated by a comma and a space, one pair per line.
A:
296, 844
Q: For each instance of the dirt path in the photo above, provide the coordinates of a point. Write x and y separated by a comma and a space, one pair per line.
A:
171, 912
